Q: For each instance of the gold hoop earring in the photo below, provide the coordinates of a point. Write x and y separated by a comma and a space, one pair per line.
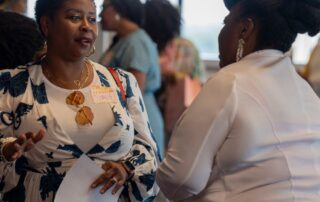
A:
45, 44
92, 51
117, 17
41, 53
241, 43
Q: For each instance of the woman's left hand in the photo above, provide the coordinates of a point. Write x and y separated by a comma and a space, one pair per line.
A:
114, 173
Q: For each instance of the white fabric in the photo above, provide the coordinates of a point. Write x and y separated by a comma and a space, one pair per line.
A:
36, 176
84, 136
252, 135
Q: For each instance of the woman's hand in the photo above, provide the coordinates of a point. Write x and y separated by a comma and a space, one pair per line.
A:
114, 173
14, 150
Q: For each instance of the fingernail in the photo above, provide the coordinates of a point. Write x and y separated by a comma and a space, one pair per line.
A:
101, 191
93, 185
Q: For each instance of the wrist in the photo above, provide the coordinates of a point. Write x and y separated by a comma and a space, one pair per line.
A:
129, 168
4, 143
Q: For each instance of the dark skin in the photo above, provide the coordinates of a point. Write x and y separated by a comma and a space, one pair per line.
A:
123, 27
25, 142
112, 170
236, 28
65, 59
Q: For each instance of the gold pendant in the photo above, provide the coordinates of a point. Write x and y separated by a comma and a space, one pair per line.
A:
84, 116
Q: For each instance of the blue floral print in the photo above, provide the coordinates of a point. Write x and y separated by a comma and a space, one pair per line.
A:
24, 101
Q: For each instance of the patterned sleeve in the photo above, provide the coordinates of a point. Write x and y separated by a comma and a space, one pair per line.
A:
143, 154
12, 84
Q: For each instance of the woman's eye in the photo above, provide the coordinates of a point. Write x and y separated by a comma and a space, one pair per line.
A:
92, 20
74, 18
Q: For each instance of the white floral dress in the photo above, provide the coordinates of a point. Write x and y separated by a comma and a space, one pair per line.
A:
36, 176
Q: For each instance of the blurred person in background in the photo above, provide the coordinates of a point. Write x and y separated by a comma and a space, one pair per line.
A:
133, 50
182, 70
17, 6
183, 58
183, 73
253, 132
163, 23
20, 40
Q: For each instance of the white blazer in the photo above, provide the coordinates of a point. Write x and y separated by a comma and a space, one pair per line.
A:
252, 135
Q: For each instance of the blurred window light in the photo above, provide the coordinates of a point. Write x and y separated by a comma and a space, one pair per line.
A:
302, 48
203, 20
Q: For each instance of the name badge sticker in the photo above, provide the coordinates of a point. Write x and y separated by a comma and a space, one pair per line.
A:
103, 94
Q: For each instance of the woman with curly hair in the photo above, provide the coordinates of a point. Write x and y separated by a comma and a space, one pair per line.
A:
133, 50
253, 132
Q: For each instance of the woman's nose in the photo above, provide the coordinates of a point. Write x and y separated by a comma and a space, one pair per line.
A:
85, 26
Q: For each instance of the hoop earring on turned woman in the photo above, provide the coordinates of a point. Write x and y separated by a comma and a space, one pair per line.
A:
117, 17
40, 54
241, 44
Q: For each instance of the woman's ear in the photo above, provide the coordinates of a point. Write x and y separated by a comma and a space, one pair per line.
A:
44, 25
248, 28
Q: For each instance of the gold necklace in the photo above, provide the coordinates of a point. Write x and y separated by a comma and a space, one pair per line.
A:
84, 115
77, 82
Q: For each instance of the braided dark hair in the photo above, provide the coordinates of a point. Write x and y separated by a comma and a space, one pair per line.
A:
20, 39
279, 21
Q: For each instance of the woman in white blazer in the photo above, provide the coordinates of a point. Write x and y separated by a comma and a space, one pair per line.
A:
253, 133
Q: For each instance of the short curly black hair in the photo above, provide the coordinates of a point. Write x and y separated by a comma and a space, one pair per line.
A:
279, 21
162, 23
20, 39
130, 9
47, 8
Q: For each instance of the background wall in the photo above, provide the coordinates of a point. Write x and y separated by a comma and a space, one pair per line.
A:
202, 21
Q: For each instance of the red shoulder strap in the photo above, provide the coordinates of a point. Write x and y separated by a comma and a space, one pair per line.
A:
115, 76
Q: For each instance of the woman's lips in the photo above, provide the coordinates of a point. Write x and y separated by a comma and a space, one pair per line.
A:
84, 41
